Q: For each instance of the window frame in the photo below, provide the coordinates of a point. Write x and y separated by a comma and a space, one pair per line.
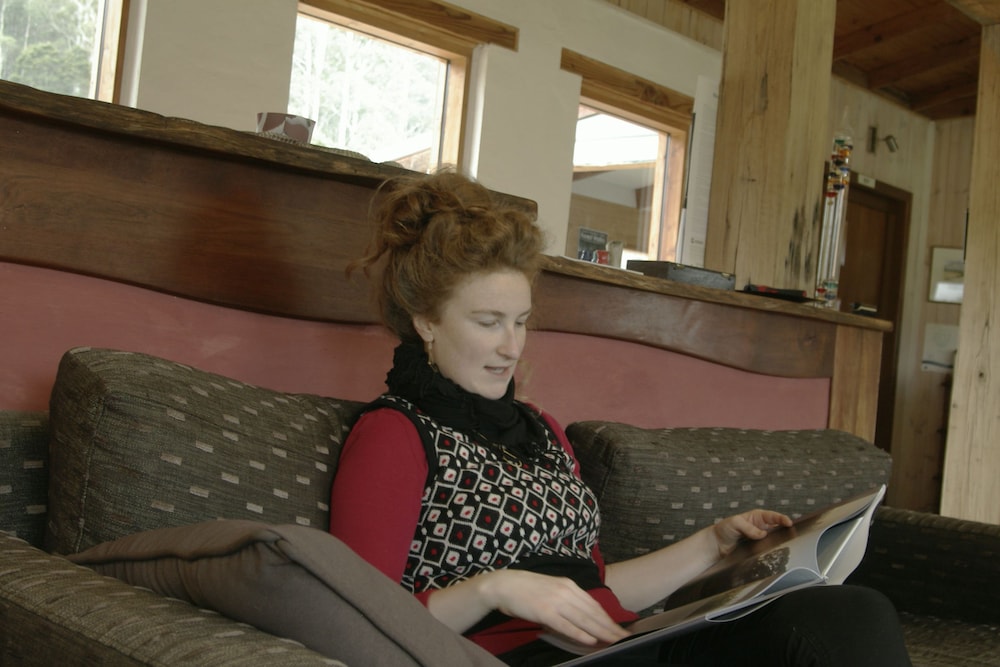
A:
620, 93
112, 58
433, 27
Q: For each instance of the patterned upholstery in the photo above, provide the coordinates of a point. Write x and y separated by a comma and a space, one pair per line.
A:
167, 445
935, 566
139, 443
24, 474
656, 486
57, 613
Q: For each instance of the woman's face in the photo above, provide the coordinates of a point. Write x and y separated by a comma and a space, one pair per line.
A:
479, 337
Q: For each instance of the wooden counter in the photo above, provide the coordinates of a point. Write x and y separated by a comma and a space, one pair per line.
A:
244, 221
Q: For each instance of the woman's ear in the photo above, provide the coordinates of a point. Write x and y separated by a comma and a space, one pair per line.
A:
423, 327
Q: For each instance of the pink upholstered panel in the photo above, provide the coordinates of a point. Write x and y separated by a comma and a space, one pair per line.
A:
582, 377
43, 313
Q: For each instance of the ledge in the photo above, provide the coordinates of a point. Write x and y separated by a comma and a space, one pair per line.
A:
630, 279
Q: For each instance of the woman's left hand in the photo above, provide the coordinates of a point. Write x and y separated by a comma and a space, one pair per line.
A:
753, 525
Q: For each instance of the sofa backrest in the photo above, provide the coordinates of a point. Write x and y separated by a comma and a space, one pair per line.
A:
24, 474
656, 486
139, 442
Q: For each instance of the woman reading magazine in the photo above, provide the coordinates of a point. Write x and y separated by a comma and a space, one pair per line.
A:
472, 499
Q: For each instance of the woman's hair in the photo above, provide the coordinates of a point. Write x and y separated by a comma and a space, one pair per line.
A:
434, 231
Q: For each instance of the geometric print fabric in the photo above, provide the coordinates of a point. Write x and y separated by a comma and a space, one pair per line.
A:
664, 484
140, 442
481, 512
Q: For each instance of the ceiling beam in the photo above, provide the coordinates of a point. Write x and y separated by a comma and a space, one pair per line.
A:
890, 28
962, 91
715, 8
963, 50
984, 12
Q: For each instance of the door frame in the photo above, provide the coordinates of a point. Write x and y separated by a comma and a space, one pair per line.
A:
900, 202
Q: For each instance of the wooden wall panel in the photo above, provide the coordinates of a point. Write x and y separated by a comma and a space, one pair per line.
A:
923, 395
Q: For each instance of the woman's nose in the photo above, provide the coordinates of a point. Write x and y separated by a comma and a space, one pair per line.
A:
512, 342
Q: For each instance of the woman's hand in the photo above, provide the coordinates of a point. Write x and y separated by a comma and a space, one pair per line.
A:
556, 603
753, 525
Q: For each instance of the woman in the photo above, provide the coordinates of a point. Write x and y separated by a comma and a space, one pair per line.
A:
472, 500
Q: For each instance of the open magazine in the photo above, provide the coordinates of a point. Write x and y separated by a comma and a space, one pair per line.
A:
823, 547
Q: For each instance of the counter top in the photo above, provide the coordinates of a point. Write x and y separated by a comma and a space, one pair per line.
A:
631, 279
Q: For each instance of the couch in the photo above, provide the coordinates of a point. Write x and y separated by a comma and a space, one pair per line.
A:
209, 497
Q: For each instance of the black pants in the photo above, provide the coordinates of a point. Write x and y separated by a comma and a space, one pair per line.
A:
825, 626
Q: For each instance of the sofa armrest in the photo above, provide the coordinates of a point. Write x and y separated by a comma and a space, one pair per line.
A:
933, 565
51, 609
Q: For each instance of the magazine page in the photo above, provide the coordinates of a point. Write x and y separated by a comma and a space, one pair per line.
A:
724, 607
809, 544
838, 558
822, 547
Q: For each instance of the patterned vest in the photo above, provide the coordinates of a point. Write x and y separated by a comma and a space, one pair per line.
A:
483, 511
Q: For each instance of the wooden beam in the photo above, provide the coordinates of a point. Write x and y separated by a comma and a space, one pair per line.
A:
766, 201
984, 12
884, 31
647, 100
961, 91
972, 455
963, 50
459, 29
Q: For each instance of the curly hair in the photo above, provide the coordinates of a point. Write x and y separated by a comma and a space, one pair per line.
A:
432, 232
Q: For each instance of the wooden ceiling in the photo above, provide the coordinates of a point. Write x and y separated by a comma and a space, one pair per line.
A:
923, 54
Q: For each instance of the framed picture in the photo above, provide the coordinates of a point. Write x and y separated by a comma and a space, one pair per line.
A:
947, 275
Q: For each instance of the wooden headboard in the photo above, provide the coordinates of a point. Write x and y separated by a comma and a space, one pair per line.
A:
232, 220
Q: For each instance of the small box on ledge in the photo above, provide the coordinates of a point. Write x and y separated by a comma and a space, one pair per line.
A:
681, 273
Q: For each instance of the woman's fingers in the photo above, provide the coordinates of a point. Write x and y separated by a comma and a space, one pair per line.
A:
556, 603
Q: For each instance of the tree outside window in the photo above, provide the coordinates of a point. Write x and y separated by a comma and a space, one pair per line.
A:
368, 95
58, 45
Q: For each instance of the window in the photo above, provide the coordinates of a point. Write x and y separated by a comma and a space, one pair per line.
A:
628, 166
384, 100
62, 46
423, 46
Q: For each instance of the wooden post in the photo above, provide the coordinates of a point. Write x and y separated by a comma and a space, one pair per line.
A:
766, 201
972, 455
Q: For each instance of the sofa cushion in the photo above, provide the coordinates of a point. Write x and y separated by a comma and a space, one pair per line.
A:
24, 474
656, 486
139, 443
291, 581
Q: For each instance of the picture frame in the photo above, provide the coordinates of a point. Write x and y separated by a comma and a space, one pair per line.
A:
947, 275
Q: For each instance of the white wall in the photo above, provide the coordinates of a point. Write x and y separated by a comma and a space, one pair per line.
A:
524, 115
214, 61
222, 61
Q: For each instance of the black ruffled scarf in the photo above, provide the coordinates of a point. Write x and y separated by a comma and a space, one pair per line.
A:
504, 421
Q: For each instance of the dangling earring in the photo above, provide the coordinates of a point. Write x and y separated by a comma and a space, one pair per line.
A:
429, 347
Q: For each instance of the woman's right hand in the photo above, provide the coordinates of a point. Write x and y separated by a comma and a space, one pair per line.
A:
556, 603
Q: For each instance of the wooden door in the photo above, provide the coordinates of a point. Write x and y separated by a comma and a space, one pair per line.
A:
877, 222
